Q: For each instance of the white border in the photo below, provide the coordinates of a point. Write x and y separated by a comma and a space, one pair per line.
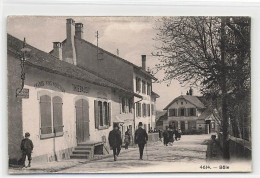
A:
135, 8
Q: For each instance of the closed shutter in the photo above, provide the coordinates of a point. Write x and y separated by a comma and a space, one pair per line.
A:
109, 114
179, 112
57, 114
96, 114
45, 110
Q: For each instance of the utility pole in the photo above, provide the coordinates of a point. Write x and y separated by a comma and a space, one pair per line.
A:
225, 124
117, 52
97, 35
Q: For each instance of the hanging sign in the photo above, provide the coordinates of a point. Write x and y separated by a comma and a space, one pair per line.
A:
24, 93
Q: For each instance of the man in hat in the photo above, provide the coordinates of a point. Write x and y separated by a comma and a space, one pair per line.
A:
141, 138
26, 147
115, 140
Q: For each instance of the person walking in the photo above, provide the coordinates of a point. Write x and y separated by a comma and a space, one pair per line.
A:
176, 133
115, 140
165, 137
127, 139
27, 148
160, 135
170, 133
141, 138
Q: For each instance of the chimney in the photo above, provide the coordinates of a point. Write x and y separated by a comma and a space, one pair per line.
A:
79, 30
69, 52
191, 91
57, 50
144, 62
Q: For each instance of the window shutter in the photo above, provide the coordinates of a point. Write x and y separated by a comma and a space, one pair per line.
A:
109, 113
45, 109
96, 114
57, 114
179, 112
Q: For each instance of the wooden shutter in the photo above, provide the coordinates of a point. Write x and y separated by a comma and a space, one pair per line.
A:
45, 110
109, 113
57, 114
96, 114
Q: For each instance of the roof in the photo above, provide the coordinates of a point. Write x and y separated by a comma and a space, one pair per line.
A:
155, 94
205, 114
117, 57
49, 63
192, 99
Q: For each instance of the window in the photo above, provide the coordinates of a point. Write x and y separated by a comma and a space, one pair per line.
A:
57, 114
144, 109
143, 87
130, 105
51, 116
138, 109
148, 110
149, 89
102, 114
181, 112
123, 104
100, 111
152, 106
126, 105
192, 111
138, 84
172, 112
45, 109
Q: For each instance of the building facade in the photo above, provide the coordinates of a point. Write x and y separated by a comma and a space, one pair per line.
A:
71, 96
189, 114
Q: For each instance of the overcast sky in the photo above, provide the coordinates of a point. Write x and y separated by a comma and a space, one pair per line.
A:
133, 36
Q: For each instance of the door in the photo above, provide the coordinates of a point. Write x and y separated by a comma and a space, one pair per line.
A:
182, 126
82, 120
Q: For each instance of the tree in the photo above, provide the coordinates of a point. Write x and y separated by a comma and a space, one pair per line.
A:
210, 52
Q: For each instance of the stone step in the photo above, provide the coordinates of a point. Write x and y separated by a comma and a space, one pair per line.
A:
79, 156
81, 152
83, 148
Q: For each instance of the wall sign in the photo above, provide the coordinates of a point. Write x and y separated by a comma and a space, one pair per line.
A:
49, 83
79, 88
24, 93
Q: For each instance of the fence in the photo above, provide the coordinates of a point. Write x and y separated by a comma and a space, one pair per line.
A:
238, 147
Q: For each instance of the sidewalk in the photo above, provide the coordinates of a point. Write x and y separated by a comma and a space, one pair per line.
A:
55, 166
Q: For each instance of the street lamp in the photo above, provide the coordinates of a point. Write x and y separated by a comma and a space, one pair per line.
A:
23, 58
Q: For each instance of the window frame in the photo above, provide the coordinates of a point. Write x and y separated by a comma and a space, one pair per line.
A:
105, 116
52, 134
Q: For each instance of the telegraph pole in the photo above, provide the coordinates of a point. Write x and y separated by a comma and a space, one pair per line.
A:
225, 123
97, 35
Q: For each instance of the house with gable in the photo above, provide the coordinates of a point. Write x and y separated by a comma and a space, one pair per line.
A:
190, 114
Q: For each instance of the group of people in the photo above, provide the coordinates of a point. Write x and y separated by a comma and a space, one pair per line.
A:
169, 135
115, 140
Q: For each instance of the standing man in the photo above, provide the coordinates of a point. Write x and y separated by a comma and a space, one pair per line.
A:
141, 138
26, 147
115, 140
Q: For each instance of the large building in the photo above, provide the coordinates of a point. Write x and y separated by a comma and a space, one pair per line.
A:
191, 115
71, 97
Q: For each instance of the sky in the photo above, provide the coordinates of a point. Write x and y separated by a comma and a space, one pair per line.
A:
132, 36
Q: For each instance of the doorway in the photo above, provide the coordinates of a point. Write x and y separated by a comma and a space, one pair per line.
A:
82, 120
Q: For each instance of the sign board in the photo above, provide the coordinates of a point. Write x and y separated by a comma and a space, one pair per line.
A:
24, 93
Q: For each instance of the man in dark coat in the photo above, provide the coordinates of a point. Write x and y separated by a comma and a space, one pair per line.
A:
141, 138
170, 133
115, 141
165, 137
26, 147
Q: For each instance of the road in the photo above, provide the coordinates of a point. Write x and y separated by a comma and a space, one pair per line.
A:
186, 154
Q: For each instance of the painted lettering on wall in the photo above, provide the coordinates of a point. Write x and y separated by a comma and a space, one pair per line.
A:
49, 83
79, 88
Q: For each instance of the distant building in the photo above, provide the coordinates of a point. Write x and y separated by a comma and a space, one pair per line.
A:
189, 114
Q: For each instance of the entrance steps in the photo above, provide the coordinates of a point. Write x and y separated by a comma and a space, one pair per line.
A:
87, 150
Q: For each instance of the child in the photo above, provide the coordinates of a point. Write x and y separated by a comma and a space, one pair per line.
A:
26, 147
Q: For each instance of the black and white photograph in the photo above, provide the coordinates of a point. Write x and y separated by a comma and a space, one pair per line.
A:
128, 94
